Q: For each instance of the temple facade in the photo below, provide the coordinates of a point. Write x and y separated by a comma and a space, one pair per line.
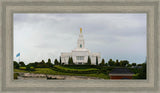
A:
80, 54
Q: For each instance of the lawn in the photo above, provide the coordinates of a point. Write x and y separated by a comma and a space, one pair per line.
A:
74, 69
61, 70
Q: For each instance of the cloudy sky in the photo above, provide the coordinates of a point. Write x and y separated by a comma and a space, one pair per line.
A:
117, 36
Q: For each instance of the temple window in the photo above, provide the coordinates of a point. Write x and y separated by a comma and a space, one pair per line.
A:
80, 57
80, 45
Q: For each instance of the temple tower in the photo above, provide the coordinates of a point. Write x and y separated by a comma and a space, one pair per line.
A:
80, 43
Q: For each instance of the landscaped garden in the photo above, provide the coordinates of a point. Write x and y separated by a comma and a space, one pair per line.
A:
99, 70
62, 70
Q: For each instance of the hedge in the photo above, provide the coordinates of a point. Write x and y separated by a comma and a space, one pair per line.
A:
83, 69
76, 71
22, 68
80, 66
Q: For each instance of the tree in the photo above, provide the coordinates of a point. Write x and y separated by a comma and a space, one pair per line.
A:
32, 64
103, 62
117, 63
96, 60
42, 61
56, 62
111, 62
30, 68
129, 65
49, 60
139, 65
106, 64
142, 72
49, 64
22, 64
36, 64
60, 62
134, 64
89, 61
42, 64
124, 63
70, 61
16, 65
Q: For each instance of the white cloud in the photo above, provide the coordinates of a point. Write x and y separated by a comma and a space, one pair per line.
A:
43, 36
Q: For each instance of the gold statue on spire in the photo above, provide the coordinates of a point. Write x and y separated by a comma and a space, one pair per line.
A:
80, 30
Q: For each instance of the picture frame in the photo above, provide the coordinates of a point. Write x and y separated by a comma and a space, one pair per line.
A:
9, 7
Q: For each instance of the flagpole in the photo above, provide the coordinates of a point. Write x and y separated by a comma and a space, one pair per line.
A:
19, 58
18, 55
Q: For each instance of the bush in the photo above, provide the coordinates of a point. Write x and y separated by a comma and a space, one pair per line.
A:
80, 66
76, 71
140, 73
16, 75
32, 69
89, 61
16, 65
22, 64
83, 69
22, 68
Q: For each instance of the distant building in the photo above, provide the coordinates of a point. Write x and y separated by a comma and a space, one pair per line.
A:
80, 54
121, 73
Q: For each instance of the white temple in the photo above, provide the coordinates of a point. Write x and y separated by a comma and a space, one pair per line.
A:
80, 54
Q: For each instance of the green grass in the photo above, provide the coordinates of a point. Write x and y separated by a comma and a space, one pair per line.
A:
18, 70
80, 66
75, 71
22, 68
72, 69
53, 72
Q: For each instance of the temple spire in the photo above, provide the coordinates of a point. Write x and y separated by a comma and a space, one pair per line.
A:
80, 43
80, 30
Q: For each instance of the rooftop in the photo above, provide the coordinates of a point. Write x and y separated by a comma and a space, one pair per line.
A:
121, 71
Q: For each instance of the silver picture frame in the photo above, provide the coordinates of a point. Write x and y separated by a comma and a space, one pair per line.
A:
9, 7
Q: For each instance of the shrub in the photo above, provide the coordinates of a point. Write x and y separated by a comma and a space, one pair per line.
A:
56, 62
96, 60
80, 66
103, 62
76, 71
89, 61
22, 68
16, 75
16, 65
70, 61
32, 69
